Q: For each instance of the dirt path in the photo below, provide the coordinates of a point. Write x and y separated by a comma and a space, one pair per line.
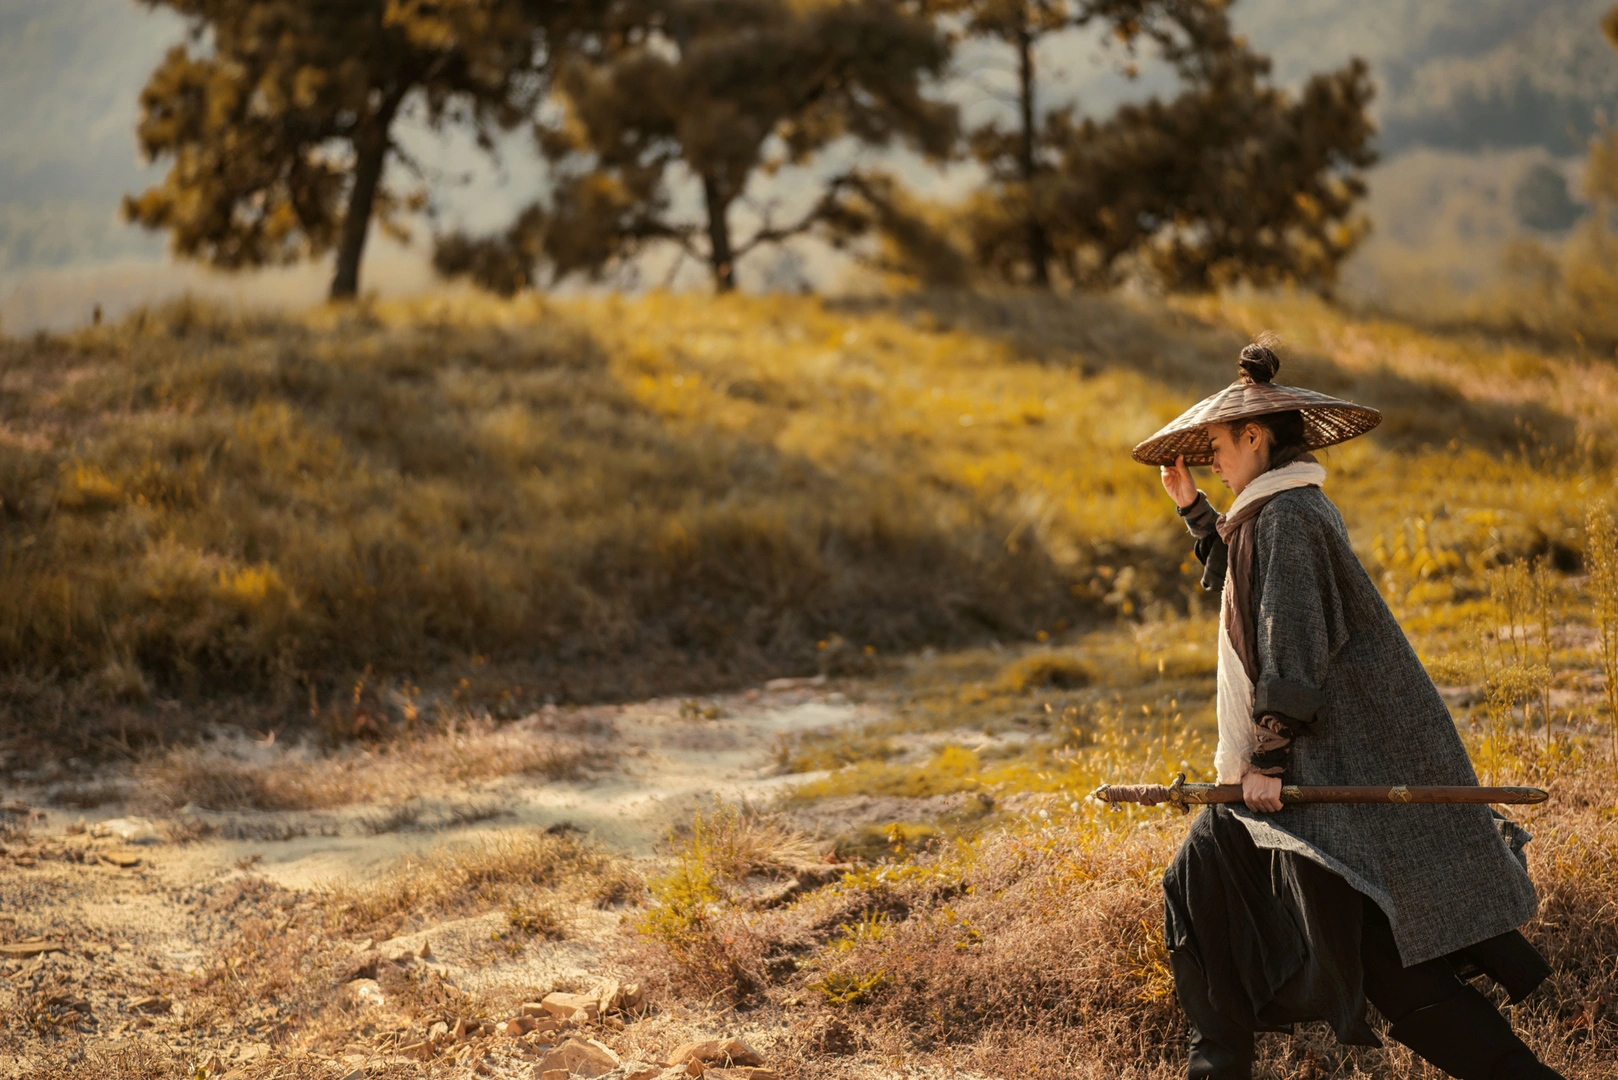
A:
126, 939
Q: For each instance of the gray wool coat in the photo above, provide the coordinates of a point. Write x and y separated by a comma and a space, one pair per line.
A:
1331, 654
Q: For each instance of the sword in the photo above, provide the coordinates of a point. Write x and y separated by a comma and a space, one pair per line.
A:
1181, 794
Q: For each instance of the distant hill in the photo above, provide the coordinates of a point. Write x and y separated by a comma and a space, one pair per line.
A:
1457, 74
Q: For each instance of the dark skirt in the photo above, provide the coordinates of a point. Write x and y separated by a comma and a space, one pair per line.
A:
1279, 937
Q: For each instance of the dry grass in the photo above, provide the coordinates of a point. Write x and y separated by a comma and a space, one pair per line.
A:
1037, 949
234, 776
465, 878
1034, 947
606, 497
615, 497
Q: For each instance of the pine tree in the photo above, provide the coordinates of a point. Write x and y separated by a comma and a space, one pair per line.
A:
697, 97
1016, 159
1231, 180
277, 116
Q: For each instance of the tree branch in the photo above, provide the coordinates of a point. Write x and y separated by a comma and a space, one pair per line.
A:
770, 234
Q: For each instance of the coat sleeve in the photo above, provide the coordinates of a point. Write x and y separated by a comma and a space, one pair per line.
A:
1299, 621
1202, 521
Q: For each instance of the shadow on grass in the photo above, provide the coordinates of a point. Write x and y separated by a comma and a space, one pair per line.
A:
203, 507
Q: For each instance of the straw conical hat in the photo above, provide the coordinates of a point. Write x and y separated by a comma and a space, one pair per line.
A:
1326, 420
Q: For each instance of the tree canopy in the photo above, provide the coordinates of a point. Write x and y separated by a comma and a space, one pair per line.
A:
1231, 179
656, 119
695, 99
277, 116
1015, 159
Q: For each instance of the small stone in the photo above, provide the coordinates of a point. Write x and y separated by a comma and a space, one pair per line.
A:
426, 952
438, 1033
419, 1051
639, 1070
357, 1074
533, 1008
606, 996
31, 947
566, 1006
580, 1057
725, 1052
360, 994
131, 830
123, 859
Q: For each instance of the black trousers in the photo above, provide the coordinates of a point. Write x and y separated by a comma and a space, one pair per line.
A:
1432, 1011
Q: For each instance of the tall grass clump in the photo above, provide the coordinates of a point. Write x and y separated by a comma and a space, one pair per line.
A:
707, 945
1601, 559
463, 878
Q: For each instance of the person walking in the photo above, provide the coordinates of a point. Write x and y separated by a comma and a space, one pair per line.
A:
1273, 917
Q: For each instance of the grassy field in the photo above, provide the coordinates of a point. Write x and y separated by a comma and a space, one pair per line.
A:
397, 526
370, 515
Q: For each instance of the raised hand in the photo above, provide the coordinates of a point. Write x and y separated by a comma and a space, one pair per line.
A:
1178, 483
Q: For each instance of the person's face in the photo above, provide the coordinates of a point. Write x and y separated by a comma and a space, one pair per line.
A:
1240, 452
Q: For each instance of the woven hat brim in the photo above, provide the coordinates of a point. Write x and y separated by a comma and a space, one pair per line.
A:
1327, 421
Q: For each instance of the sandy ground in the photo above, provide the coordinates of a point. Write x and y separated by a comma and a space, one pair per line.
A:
137, 916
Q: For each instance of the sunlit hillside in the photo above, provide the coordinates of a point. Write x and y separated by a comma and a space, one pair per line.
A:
391, 533
603, 499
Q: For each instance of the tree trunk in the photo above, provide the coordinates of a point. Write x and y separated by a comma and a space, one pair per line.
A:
370, 155
1039, 245
719, 250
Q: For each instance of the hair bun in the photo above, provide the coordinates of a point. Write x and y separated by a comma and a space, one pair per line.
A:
1258, 363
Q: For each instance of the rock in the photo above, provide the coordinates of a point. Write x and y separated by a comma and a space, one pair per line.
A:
554, 1074
579, 1057
122, 859
631, 997
533, 1008
426, 952
774, 686
636, 1070
357, 1074
31, 947
419, 1051
438, 1033
360, 994
606, 996
724, 1052
566, 1006
522, 1025
131, 830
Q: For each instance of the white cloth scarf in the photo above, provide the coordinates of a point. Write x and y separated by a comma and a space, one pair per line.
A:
1234, 703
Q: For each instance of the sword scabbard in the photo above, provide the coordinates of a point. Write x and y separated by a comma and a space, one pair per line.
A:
1183, 796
